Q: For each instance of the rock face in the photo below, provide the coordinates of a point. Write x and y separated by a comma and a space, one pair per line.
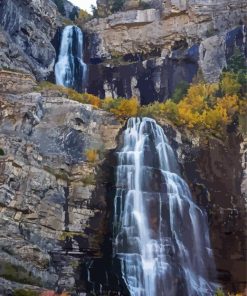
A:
170, 42
128, 75
54, 203
29, 28
138, 31
16, 82
213, 171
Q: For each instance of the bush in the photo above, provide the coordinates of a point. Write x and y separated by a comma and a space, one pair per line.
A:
171, 111
82, 18
1, 152
92, 155
219, 292
125, 108
229, 84
84, 98
180, 91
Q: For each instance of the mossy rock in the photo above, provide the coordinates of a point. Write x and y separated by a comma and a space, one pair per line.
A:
18, 274
24, 292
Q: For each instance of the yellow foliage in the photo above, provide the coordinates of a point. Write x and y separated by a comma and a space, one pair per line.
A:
92, 155
82, 17
229, 103
152, 110
229, 84
203, 90
215, 118
92, 100
109, 103
243, 107
126, 108
190, 110
170, 110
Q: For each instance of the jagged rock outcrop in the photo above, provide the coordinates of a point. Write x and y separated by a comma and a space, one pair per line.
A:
53, 201
26, 30
165, 44
138, 31
128, 75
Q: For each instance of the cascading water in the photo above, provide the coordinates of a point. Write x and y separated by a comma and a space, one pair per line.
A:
160, 235
70, 70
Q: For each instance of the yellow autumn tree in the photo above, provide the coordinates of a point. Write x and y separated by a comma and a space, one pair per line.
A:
126, 108
215, 119
230, 103
190, 110
170, 111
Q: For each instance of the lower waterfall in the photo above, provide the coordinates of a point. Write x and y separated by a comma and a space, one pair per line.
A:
161, 236
70, 69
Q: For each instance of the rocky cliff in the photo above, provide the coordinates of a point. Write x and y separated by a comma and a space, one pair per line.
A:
170, 42
55, 201
26, 30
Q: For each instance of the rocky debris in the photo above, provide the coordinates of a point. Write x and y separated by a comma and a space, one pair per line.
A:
51, 215
16, 82
30, 26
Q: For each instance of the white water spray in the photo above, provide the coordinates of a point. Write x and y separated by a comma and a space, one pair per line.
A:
161, 235
70, 69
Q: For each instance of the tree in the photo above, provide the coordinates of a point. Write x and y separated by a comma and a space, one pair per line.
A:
180, 91
126, 108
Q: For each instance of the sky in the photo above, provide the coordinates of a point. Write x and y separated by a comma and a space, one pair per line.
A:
84, 4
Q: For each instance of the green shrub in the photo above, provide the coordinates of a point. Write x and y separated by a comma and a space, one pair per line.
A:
180, 91
219, 292
1, 152
17, 274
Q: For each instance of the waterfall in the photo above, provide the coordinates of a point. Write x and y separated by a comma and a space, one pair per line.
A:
70, 70
160, 235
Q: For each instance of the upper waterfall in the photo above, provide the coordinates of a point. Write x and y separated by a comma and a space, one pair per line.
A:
160, 235
70, 69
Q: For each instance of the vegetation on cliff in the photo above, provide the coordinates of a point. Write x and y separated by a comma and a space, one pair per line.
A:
201, 106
